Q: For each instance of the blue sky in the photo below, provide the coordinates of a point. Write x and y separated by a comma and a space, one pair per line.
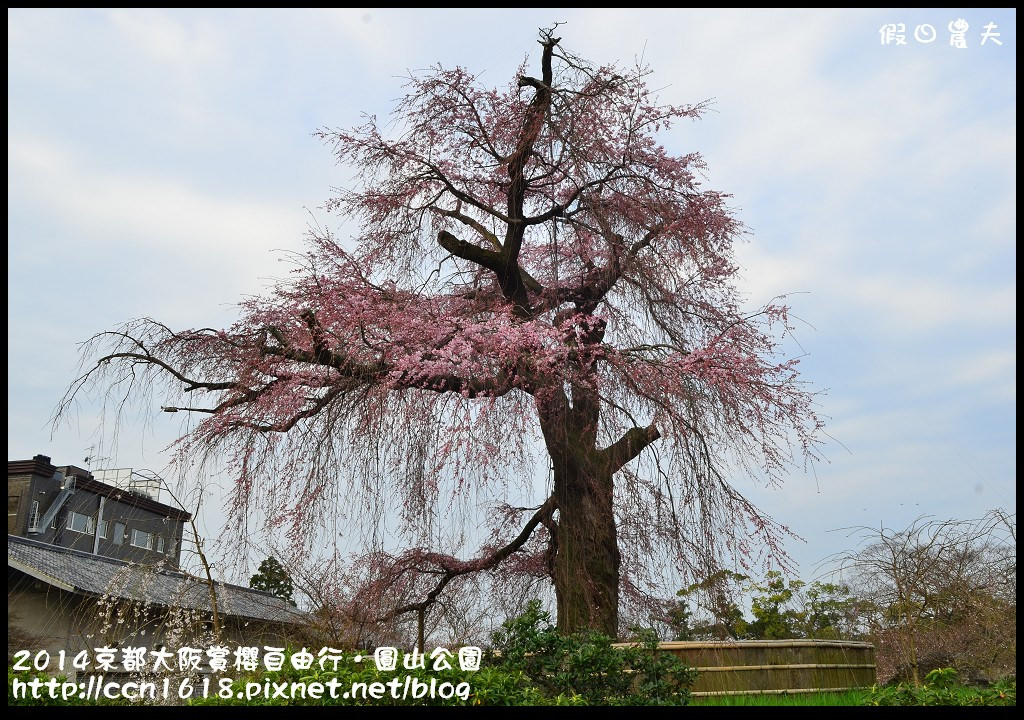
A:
158, 158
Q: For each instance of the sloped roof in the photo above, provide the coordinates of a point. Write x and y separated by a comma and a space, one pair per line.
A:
88, 574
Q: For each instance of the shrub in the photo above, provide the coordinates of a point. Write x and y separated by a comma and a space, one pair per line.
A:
588, 666
941, 687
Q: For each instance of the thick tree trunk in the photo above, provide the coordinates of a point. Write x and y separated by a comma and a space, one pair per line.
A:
586, 563
587, 557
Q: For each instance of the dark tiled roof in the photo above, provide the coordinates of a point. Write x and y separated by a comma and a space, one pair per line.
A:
88, 574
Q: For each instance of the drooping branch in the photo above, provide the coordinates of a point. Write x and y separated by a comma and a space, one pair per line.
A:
345, 366
190, 384
484, 233
144, 355
315, 407
450, 568
458, 193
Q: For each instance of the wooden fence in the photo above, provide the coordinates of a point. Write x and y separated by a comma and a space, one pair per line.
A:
762, 667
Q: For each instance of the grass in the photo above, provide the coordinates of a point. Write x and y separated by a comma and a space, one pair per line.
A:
850, 697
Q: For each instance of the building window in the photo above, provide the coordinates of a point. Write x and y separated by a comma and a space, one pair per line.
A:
142, 539
78, 522
119, 533
33, 517
160, 543
104, 529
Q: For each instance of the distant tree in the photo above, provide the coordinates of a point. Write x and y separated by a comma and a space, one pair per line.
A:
271, 577
780, 608
719, 615
942, 592
532, 271
784, 609
677, 620
774, 616
831, 612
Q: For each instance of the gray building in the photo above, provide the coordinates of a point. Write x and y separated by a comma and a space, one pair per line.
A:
68, 507
90, 564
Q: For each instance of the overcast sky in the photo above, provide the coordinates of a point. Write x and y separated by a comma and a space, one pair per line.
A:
157, 159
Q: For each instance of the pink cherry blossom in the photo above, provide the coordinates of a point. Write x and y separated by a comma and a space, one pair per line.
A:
533, 273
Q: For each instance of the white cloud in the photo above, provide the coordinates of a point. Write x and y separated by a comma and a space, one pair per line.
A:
991, 374
157, 35
110, 211
916, 306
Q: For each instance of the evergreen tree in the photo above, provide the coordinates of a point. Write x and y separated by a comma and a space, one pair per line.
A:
274, 579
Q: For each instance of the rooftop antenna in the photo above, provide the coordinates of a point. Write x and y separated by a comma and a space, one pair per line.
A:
92, 458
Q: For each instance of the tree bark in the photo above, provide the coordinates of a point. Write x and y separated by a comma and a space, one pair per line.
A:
587, 559
586, 564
